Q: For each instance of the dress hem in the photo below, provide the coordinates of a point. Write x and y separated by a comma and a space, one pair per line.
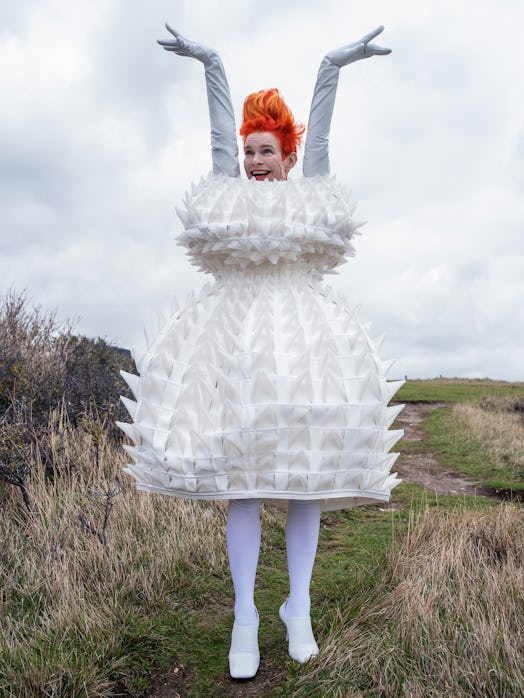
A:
330, 499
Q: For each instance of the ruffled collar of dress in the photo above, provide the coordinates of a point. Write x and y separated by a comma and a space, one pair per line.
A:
233, 222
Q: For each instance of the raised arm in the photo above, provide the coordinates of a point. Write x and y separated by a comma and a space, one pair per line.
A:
224, 148
316, 151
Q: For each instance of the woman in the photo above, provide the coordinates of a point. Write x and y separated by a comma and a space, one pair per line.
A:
265, 387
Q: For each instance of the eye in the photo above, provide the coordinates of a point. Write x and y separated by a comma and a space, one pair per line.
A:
268, 151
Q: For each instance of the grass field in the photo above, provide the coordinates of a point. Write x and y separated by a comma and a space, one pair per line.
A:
421, 597
457, 390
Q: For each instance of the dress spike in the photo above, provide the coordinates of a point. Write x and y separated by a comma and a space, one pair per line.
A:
128, 430
379, 341
162, 321
392, 413
263, 389
392, 387
130, 405
132, 381
386, 366
391, 437
199, 447
301, 388
232, 416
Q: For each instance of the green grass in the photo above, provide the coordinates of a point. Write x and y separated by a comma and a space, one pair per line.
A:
456, 390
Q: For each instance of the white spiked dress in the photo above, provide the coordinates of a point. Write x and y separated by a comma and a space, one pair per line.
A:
264, 384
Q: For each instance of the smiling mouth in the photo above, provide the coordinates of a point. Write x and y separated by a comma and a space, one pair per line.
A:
260, 173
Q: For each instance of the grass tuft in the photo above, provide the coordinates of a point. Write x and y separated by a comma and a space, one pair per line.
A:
445, 616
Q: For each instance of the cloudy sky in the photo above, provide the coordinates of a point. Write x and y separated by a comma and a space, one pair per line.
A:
101, 132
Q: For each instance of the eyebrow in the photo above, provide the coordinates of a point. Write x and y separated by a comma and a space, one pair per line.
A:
261, 145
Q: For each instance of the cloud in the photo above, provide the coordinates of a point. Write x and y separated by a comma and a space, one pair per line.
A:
103, 131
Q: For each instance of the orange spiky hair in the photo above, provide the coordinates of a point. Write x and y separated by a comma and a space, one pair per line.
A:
267, 111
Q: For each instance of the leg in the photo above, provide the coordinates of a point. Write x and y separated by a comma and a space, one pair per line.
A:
243, 545
303, 524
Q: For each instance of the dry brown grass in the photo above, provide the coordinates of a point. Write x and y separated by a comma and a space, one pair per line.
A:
496, 426
66, 598
446, 617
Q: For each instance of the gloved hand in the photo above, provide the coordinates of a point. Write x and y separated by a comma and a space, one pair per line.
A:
357, 50
186, 47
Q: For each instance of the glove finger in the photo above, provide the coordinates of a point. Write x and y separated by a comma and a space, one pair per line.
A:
380, 50
372, 35
172, 31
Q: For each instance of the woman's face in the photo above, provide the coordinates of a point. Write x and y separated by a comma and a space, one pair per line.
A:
263, 157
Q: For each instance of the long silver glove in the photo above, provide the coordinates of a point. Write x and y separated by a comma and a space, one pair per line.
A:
316, 151
224, 148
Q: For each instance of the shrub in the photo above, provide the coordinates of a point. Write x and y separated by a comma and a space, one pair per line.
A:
92, 382
45, 369
33, 347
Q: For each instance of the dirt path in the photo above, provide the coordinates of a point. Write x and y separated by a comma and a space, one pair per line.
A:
420, 466
171, 683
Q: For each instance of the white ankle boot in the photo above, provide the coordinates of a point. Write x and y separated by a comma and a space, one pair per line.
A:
244, 656
302, 645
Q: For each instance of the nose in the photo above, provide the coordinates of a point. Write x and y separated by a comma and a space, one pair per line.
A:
258, 158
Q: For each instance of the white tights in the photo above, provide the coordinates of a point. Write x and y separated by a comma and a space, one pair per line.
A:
243, 545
